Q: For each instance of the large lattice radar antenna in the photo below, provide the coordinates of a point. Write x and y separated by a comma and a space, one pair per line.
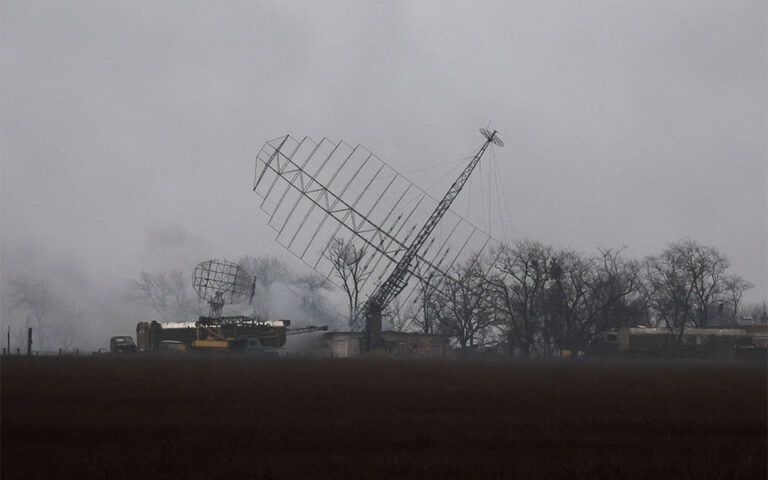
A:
317, 194
220, 282
493, 137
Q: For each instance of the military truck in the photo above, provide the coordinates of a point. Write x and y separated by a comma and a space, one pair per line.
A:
122, 344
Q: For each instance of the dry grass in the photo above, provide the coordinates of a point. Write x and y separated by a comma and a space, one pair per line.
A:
235, 417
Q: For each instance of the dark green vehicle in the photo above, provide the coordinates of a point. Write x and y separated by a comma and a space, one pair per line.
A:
122, 344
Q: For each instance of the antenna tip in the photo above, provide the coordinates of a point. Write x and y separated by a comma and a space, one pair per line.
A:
492, 137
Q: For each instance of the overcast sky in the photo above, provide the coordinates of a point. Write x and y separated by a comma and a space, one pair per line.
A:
129, 129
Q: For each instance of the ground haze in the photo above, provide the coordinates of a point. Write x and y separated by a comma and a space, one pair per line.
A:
234, 417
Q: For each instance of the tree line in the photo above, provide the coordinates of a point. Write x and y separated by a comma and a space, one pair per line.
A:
530, 298
534, 299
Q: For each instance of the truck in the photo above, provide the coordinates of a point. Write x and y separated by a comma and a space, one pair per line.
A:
122, 344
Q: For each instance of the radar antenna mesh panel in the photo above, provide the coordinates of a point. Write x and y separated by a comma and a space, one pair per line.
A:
220, 281
304, 183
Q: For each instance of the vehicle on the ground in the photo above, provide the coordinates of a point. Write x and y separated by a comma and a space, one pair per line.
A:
122, 344
256, 349
171, 346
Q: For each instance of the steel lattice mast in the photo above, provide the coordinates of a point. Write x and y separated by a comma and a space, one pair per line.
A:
399, 277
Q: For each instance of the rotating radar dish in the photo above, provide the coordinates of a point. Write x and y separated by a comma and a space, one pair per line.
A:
220, 281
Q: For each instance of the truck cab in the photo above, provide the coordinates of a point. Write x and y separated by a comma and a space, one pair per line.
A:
122, 344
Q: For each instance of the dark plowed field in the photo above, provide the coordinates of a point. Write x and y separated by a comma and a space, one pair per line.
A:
239, 418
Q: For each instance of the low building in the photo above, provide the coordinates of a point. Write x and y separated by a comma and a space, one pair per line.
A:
661, 342
759, 334
395, 344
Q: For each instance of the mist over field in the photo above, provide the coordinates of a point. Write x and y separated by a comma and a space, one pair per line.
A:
84, 306
128, 131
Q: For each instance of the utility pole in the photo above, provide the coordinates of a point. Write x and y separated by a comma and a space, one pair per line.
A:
29, 341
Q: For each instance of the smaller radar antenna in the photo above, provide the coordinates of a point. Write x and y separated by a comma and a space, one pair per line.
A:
220, 282
492, 137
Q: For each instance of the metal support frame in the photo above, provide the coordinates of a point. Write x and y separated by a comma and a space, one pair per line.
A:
398, 279
408, 250
309, 329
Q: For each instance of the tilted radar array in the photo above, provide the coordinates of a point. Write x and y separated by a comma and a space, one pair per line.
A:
318, 191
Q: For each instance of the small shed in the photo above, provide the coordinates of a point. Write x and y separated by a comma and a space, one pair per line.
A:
695, 342
344, 344
415, 345
759, 334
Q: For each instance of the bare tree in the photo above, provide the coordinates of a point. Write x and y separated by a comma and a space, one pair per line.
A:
165, 293
64, 331
756, 312
518, 281
351, 268
425, 316
735, 286
669, 293
401, 315
587, 296
268, 271
467, 305
686, 281
706, 268
565, 299
34, 298
312, 299
59, 320
613, 298
548, 298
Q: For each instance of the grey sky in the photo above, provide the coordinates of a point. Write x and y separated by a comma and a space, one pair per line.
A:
626, 123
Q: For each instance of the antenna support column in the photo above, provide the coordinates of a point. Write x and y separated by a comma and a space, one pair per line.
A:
398, 279
372, 327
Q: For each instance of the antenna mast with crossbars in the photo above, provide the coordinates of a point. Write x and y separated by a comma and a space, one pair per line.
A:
399, 277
